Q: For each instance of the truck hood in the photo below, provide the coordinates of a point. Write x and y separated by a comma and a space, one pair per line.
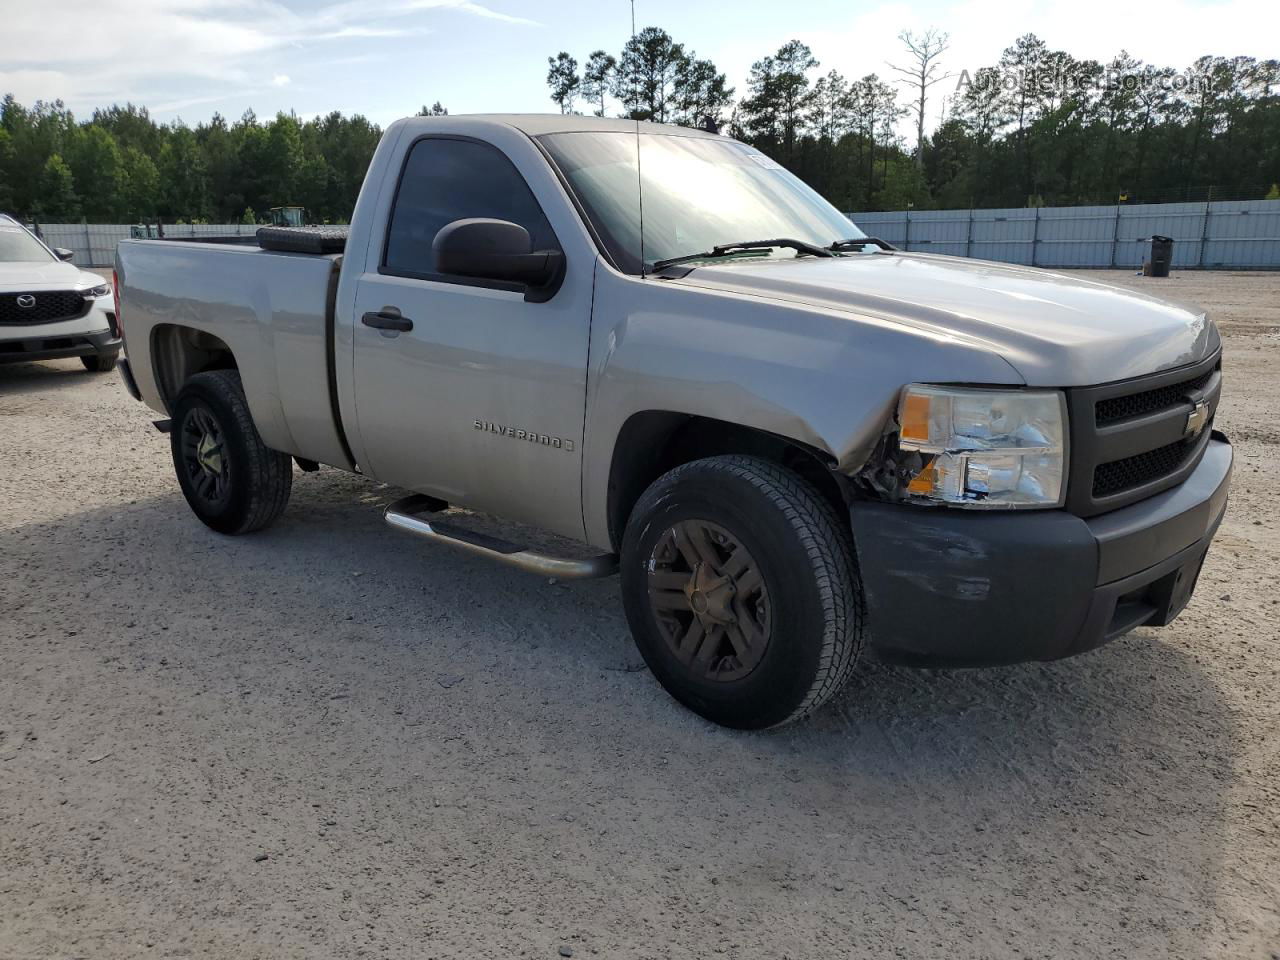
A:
43, 275
1054, 329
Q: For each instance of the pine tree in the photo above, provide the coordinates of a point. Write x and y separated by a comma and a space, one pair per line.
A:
647, 77
57, 198
563, 79
597, 78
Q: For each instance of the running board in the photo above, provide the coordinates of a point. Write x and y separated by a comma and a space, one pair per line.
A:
403, 515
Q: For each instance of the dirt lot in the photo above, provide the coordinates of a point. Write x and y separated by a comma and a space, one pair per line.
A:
443, 758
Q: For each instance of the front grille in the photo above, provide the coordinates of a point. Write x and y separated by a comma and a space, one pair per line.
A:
1115, 409
1121, 475
1128, 438
49, 307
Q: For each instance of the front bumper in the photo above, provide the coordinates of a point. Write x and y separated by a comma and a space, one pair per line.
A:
51, 346
950, 587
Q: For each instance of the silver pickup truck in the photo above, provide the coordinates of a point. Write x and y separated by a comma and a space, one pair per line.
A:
790, 440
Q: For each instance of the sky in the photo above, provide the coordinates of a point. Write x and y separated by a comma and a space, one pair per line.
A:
186, 59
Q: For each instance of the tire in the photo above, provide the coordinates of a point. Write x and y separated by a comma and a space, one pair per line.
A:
785, 618
232, 481
100, 362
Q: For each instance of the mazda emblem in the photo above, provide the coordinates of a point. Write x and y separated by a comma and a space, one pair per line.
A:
26, 301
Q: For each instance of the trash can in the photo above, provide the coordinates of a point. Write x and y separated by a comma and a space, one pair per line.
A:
1161, 256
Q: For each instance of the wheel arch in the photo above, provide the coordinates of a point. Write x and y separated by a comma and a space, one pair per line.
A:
653, 442
179, 352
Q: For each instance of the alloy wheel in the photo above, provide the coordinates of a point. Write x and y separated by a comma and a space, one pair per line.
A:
205, 456
710, 600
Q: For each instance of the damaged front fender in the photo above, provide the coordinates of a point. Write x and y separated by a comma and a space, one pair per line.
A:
824, 378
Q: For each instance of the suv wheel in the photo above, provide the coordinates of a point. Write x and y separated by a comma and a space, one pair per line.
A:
232, 481
742, 591
100, 362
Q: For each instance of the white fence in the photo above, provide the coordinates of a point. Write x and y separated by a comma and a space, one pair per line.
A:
94, 244
1228, 234
1239, 234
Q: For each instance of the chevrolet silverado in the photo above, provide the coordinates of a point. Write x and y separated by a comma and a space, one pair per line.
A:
789, 439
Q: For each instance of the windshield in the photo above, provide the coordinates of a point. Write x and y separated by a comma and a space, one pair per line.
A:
698, 192
18, 246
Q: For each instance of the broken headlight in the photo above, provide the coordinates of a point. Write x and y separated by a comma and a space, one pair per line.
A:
984, 448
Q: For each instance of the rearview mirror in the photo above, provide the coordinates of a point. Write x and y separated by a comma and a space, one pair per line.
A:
62, 253
498, 250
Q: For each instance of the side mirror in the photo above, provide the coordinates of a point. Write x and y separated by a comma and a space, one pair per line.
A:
498, 250
62, 253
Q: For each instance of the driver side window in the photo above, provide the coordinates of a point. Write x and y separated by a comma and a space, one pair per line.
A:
446, 179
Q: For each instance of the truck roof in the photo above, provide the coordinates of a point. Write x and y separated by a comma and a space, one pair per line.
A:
536, 124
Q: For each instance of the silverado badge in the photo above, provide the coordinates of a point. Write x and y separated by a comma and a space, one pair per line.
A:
532, 436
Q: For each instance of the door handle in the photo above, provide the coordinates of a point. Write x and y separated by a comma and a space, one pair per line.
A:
387, 319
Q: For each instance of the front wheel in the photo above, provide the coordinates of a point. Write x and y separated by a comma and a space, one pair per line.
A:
232, 481
742, 591
100, 362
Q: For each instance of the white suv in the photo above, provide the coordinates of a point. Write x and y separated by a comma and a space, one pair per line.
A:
50, 308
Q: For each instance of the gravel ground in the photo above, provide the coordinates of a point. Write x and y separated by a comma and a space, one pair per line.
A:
330, 740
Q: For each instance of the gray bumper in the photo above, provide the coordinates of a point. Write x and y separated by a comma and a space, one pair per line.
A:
126, 374
970, 588
57, 347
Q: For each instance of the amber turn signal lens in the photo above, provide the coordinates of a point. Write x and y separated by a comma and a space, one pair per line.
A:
923, 482
915, 417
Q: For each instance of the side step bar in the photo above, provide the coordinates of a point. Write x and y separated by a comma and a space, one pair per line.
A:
403, 515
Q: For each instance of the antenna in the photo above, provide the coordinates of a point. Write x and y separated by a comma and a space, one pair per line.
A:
635, 99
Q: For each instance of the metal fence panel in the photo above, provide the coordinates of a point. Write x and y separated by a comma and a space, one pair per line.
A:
1224, 234
1004, 234
1241, 234
1228, 234
890, 227
1185, 222
1075, 236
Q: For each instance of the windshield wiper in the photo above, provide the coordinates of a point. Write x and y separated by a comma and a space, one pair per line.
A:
727, 249
860, 242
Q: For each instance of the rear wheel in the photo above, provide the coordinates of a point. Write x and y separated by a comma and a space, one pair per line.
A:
100, 362
742, 592
232, 481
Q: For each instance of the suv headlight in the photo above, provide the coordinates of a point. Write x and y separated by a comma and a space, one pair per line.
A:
96, 293
985, 448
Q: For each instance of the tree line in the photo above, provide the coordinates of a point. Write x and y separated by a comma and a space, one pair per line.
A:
1037, 127
120, 166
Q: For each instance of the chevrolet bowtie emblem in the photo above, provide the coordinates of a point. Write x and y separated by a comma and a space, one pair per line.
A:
1196, 419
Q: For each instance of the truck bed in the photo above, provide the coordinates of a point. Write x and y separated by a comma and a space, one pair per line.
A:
273, 309
318, 239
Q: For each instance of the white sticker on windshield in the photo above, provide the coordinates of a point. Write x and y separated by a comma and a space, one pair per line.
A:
765, 162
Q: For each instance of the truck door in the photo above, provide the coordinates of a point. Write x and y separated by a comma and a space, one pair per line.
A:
481, 400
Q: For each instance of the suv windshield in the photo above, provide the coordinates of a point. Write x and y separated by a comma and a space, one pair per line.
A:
699, 192
18, 246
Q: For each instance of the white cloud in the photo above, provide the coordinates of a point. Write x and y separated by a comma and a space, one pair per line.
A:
204, 46
483, 11
172, 106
